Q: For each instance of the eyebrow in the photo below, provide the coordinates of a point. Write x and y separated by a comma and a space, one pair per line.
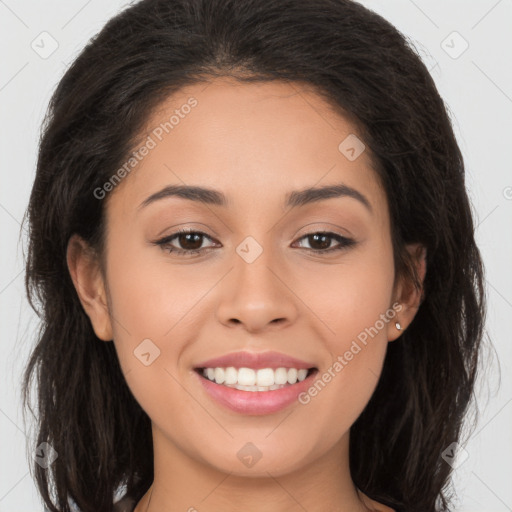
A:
194, 193
312, 195
293, 199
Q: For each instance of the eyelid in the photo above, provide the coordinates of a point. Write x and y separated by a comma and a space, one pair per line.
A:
166, 241
333, 228
189, 227
343, 242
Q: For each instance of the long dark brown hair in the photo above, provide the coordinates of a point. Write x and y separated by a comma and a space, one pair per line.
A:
366, 70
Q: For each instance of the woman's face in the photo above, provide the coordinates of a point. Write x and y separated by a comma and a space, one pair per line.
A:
259, 283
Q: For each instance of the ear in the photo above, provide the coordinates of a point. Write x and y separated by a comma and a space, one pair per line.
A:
84, 267
407, 295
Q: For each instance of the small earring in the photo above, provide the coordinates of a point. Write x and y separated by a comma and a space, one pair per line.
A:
398, 326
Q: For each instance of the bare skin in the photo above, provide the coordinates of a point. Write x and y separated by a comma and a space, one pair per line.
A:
255, 143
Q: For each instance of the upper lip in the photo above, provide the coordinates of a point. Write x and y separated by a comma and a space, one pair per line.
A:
256, 360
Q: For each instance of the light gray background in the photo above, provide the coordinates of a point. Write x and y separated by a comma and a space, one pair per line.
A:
477, 88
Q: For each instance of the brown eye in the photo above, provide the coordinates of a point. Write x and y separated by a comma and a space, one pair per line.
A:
321, 242
190, 241
185, 242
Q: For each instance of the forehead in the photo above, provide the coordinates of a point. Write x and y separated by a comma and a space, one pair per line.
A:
251, 140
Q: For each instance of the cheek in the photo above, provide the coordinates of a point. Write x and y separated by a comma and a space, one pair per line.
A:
149, 295
155, 312
350, 295
142, 304
351, 300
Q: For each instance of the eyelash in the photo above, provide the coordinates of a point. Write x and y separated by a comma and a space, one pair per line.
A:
344, 242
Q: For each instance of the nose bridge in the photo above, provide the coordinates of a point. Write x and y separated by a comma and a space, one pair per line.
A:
255, 295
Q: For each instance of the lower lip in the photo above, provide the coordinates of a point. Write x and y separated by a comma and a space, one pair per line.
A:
256, 402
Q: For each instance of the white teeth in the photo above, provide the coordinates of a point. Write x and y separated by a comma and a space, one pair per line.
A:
281, 376
302, 374
292, 375
248, 379
220, 375
231, 376
265, 377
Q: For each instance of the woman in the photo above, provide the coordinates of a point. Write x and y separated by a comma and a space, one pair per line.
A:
254, 255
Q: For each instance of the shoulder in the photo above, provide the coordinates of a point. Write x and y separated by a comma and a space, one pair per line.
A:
374, 505
379, 507
126, 504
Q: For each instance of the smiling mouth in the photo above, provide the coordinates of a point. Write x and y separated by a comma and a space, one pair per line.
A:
248, 379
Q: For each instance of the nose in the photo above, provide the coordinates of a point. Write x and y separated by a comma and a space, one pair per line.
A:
257, 296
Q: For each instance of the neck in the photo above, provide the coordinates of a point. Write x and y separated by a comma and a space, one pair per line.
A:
184, 483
